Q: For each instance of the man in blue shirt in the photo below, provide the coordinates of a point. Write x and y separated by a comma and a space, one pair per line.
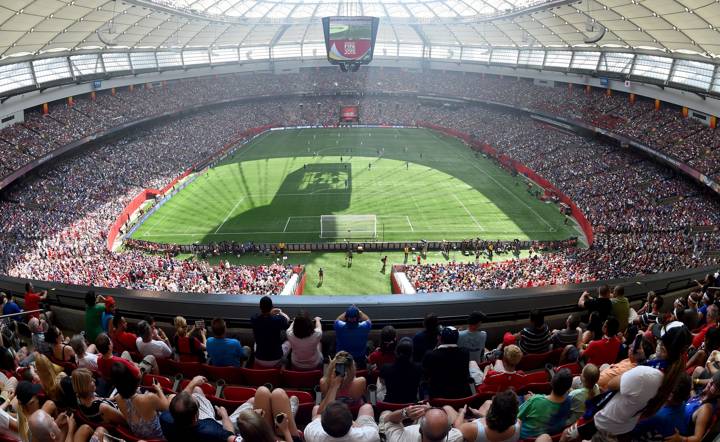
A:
10, 306
222, 351
352, 329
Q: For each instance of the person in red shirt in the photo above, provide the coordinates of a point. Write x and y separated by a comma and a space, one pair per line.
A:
104, 346
711, 318
605, 350
122, 339
385, 354
32, 300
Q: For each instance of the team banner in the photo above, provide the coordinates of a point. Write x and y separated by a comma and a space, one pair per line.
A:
350, 39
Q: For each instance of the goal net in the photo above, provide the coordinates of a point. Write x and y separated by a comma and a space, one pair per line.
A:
348, 226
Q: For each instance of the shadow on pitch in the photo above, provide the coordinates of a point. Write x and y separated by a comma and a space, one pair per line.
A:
305, 194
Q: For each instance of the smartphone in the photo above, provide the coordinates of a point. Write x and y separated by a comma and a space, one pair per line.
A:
279, 418
200, 324
340, 370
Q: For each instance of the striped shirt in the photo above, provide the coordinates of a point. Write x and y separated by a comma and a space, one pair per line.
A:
648, 318
535, 340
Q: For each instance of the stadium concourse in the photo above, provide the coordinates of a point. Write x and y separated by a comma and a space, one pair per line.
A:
645, 216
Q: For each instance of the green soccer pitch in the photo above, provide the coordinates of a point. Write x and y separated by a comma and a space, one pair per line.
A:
423, 186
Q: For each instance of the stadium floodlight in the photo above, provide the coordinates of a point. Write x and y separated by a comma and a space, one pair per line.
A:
348, 226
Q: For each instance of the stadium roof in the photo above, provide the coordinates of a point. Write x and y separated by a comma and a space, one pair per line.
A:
34, 27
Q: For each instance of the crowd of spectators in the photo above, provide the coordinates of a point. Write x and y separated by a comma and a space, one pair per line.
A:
646, 218
646, 373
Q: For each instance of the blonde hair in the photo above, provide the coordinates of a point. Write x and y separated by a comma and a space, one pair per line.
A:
82, 380
254, 427
48, 377
342, 358
181, 327
512, 355
23, 424
590, 376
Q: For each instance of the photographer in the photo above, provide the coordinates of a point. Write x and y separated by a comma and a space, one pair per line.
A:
351, 389
332, 419
268, 326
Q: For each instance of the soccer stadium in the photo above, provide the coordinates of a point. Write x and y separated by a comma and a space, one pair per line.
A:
364, 220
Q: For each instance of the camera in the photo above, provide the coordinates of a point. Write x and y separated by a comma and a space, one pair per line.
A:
340, 370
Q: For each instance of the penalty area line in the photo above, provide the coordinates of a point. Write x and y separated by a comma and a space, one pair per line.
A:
470, 214
409, 223
229, 214
286, 224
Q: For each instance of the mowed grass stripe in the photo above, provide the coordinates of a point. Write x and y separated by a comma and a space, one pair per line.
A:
261, 192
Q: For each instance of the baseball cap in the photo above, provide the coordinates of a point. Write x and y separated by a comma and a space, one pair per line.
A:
26, 390
109, 303
352, 314
449, 335
508, 338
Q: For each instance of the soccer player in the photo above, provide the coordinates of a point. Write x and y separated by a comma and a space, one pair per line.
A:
383, 260
369, 166
321, 274
349, 258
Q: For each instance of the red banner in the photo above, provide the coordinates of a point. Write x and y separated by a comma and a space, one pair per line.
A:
152, 193
510, 163
127, 212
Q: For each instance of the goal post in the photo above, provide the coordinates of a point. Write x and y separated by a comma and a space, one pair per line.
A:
348, 226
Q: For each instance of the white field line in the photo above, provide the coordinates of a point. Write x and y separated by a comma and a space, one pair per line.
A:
409, 223
159, 221
541, 218
469, 214
230, 213
286, 223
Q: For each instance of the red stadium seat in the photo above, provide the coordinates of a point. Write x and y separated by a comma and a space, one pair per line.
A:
535, 377
536, 388
232, 397
8, 437
188, 369
306, 404
501, 382
128, 435
456, 403
539, 360
231, 375
165, 382
301, 379
207, 388
574, 368
258, 377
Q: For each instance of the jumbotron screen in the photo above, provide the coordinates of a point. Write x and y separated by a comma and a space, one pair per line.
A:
350, 40
349, 114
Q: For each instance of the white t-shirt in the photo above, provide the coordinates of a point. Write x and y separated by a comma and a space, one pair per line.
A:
5, 420
306, 353
637, 387
88, 361
364, 430
159, 349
